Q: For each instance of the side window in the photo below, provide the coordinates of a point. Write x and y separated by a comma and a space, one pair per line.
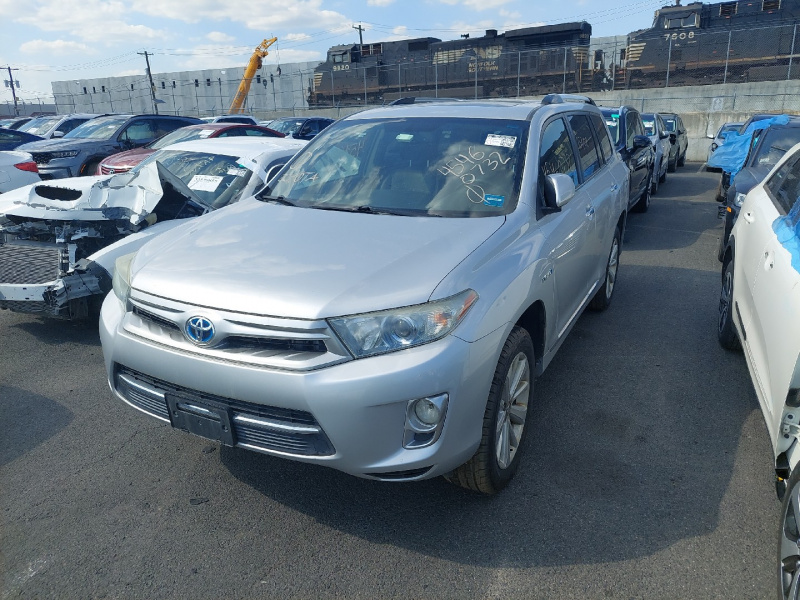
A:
638, 126
163, 126
587, 152
233, 132
555, 154
256, 132
661, 125
601, 130
69, 125
139, 131
784, 186
10, 136
630, 130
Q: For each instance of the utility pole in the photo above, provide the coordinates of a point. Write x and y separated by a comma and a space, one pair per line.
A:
13, 93
360, 31
150, 77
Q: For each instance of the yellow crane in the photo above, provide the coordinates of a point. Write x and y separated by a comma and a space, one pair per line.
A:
237, 106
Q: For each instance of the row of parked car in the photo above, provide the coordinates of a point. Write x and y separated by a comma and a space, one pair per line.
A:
759, 305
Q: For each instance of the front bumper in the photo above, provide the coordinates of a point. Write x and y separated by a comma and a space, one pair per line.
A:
358, 407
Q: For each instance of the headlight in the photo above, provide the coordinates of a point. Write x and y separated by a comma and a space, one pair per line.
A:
66, 153
739, 199
379, 332
121, 282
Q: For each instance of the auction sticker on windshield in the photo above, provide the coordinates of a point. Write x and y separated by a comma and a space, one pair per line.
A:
505, 141
204, 183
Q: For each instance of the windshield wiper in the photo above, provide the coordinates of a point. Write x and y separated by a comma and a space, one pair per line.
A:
277, 200
360, 209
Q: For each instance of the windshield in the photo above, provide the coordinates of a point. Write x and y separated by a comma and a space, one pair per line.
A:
216, 179
776, 143
184, 134
670, 123
102, 128
728, 127
649, 122
418, 166
612, 120
40, 125
287, 126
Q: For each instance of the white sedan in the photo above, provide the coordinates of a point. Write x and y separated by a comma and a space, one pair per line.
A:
17, 169
759, 309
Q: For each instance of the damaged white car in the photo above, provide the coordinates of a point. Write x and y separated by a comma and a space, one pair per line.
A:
59, 239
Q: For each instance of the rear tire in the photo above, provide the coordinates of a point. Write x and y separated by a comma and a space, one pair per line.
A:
494, 463
682, 159
672, 166
643, 204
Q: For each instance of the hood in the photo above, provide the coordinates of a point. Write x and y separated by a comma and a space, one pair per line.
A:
266, 259
748, 178
127, 159
62, 144
100, 198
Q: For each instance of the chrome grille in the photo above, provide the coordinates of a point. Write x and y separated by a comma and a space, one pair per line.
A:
258, 340
257, 427
33, 264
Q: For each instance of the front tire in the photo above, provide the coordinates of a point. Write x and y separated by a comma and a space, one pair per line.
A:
494, 463
655, 179
789, 540
643, 204
726, 332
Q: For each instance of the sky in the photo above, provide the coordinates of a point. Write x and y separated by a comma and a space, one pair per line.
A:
57, 40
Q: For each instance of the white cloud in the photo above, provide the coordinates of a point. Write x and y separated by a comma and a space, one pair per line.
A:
296, 37
89, 20
379, 2
219, 37
54, 47
478, 5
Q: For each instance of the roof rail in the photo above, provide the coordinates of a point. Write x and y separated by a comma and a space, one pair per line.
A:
562, 98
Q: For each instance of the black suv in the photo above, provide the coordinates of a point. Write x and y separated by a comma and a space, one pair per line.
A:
636, 150
679, 140
766, 149
300, 128
81, 150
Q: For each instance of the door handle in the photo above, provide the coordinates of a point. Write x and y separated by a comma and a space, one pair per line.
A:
749, 217
590, 211
614, 187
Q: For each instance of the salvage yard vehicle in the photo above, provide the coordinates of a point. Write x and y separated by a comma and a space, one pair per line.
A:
383, 306
56, 126
17, 169
679, 140
656, 130
81, 150
125, 161
58, 240
11, 139
630, 140
769, 145
759, 309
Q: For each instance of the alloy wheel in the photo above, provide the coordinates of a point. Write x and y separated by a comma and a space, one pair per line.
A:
611, 271
789, 566
513, 410
725, 300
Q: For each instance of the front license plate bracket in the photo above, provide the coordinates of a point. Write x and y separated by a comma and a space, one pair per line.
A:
202, 418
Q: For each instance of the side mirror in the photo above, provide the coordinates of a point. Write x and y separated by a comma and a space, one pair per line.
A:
641, 141
711, 136
672, 138
663, 135
558, 190
57, 134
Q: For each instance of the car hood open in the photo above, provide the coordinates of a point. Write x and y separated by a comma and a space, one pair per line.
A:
303, 263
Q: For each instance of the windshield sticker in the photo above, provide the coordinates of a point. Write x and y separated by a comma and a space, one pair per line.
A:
204, 133
204, 183
504, 141
237, 172
611, 123
466, 166
404, 137
492, 200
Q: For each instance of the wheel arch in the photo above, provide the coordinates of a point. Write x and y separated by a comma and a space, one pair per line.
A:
534, 321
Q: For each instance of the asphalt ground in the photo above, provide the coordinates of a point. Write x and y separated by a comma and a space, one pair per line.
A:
647, 471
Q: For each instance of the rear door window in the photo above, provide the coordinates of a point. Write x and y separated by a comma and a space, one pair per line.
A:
601, 131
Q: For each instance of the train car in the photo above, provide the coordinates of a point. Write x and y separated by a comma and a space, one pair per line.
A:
529, 61
727, 42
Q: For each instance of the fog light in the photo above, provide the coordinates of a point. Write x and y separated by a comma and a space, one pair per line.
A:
427, 412
424, 421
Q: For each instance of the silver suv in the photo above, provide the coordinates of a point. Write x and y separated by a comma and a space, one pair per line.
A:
383, 305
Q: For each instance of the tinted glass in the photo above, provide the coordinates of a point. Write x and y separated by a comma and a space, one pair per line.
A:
670, 122
556, 155
412, 166
602, 135
612, 121
287, 126
630, 130
587, 151
777, 142
784, 185
649, 122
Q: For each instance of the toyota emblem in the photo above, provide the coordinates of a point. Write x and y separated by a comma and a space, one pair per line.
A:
199, 330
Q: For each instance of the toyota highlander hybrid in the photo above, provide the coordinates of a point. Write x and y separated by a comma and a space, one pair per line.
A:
384, 304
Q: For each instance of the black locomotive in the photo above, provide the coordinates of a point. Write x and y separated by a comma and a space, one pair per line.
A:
728, 42
530, 61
